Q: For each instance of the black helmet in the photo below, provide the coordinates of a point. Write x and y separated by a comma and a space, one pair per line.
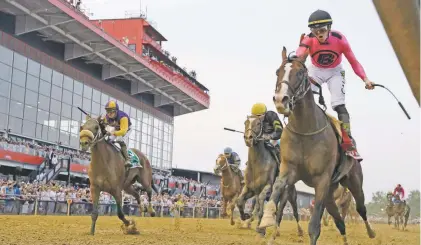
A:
319, 18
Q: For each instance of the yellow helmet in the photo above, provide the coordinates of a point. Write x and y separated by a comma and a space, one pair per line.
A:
258, 109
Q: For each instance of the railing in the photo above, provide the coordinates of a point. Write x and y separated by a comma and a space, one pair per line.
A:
147, 39
53, 173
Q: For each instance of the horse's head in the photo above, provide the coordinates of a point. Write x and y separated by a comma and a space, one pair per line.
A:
90, 132
253, 130
292, 83
221, 163
389, 196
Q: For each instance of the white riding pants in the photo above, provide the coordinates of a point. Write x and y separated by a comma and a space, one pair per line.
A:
335, 79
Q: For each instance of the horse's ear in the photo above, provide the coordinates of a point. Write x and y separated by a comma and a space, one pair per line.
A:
284, 54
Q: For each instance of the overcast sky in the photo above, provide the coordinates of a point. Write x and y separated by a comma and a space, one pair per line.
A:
235, 48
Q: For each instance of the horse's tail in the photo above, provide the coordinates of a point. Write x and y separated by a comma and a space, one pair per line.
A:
407, 212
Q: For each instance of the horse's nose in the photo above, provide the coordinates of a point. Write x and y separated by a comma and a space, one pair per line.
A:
273, 99
285, 100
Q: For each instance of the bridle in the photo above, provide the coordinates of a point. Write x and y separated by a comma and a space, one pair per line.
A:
98, 136
299, 92
303, 87
255, 136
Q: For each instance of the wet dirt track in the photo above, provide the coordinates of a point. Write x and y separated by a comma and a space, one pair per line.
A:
74, 230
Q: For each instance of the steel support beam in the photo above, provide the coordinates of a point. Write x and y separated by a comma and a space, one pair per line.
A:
401, 21
160, 100
26, 23
137, 88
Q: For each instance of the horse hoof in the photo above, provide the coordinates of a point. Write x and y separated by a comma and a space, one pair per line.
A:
232, 222
153, 214
267, 220
371, 234
300, 232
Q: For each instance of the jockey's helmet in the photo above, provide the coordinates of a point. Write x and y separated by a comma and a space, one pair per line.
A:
111, 108
319, 18
227, 151
258, 109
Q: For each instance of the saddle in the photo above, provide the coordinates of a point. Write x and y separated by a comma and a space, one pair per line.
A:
272, 151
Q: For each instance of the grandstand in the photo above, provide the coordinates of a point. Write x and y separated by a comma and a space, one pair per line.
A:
53, 59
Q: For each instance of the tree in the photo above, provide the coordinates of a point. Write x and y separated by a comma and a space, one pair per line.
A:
378, 203
413, 201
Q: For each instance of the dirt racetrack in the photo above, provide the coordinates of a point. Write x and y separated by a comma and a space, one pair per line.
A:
74, 230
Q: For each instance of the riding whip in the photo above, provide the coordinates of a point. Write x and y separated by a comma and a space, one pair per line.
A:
233, 130
399, 103
84, 112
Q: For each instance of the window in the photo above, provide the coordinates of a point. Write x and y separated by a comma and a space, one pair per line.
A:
87, 92
42, 117
64, 138
104, 99
55, 107
19, 77
133, 112
32, 83
65, 124
67, 97
38, 131
33, 68
96, 96
44, 88
5, 72
44, 132
52, 134
77, 100
56, 92
66, 110
96, 109
29, 128
76, 114
77, 87
74, 127
68, 83
15, 125
86, 105
46, 73
4, 105
4, 89
54, 121
30, 113
126, 108
18, 93
31, 98
57, 79
6, 55
43, 102
16, 109
3, 119
74, 141
20, 62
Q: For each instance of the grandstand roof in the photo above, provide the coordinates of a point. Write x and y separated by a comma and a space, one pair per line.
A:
58, 21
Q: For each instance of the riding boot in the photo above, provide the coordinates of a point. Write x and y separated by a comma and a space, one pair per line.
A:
348, 143
125, 154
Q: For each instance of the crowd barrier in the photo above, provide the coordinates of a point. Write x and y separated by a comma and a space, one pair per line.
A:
32, 206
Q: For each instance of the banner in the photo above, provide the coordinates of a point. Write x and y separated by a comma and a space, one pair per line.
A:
20, 157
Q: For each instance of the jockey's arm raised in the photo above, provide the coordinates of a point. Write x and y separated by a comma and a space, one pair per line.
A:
276, 123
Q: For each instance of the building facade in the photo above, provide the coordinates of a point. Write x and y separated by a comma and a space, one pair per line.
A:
41, 103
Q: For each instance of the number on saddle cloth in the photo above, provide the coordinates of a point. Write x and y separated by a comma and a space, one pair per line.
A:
134, 159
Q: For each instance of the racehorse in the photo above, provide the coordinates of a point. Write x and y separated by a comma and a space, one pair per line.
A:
107, 172
230, 185
399, 209
311, 151
261, 171
343, 200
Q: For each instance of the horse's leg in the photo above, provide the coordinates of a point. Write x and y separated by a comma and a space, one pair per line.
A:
285, 175
224, 208
241, 201
261, 200
321, 190
333, 210
131, 191
280, 212
151, 210
118, 199
232, 207
95, 193
292, 198
354, 183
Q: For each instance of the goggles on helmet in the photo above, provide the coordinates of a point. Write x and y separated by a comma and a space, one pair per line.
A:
319, 30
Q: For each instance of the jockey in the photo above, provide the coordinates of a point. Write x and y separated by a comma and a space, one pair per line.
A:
272, 128
400, 191
326, 47
121, 123
234, 160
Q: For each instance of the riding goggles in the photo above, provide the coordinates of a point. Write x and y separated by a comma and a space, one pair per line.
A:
319, 30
